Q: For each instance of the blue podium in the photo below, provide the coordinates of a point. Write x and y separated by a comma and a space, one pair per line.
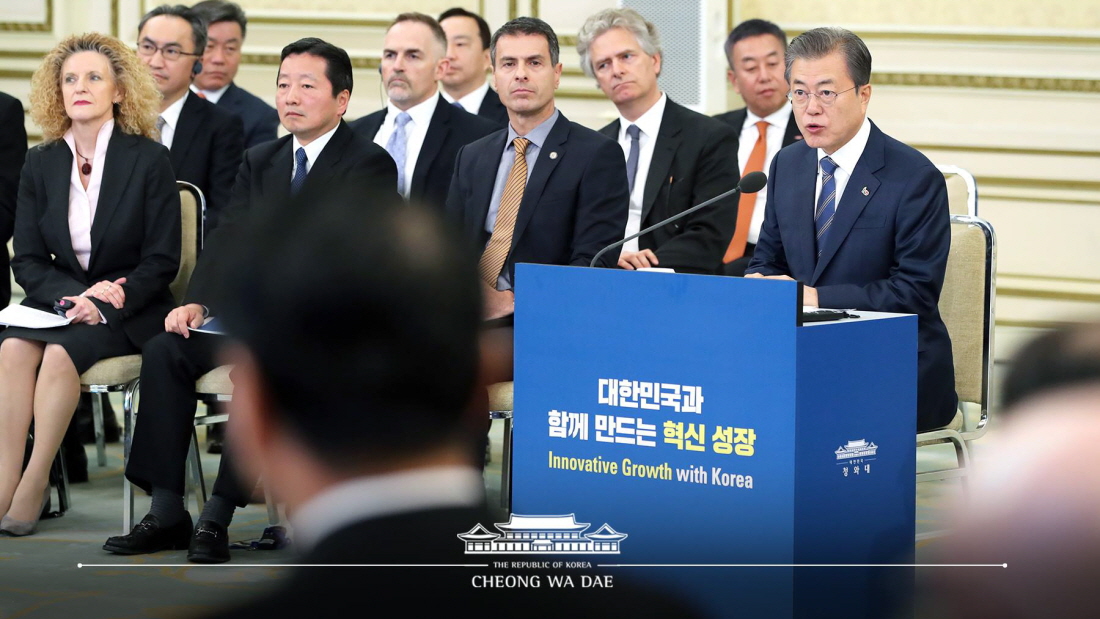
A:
698, 421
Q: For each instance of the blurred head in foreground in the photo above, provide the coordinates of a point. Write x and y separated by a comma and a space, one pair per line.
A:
1056, 359
357, 343
1035, 506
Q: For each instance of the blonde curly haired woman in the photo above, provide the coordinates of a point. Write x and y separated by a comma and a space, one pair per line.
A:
97, 224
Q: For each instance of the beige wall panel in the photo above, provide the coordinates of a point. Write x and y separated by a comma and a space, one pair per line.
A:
25, 13
983, 14
977, 58
1045, 239
986, 117
356, 8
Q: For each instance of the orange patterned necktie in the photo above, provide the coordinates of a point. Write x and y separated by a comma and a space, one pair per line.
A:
500, 243
748, 200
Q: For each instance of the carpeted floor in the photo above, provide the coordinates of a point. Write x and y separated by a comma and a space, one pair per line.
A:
62, 571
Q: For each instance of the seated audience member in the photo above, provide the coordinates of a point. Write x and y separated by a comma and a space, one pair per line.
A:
754, 50
97, 226
371, 454
13, 150
314, 86
858, 218
1060, 358
556, 192
1032, 507
465, 82
675, 158
225, 29
205, 142
417, 127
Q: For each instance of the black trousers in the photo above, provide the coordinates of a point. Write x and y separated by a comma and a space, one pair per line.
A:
737, 267
170, 365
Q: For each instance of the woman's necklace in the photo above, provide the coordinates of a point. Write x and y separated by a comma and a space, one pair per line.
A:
86, 167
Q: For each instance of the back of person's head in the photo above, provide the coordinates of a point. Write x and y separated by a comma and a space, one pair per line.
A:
337, 61
217, 11
1067, 357
362, 318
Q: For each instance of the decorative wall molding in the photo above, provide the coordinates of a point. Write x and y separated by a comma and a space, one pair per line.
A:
44, 26
1000, 82
1006, 150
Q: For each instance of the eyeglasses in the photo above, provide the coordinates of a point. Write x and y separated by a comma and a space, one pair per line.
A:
171, 54
799, 96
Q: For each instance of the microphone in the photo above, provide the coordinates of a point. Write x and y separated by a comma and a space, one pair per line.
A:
750, 183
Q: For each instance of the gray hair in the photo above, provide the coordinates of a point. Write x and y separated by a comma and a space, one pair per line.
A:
821, 42
627, 19
194, 18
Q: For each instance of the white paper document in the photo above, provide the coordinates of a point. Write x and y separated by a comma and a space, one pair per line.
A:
30, 318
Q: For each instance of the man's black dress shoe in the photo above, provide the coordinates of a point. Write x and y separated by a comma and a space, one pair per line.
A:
148, 536
209, 544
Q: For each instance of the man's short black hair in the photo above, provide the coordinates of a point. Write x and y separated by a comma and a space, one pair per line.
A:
186, 13
363, 315
526, 26
337, 61
752, 28
482, 25
217, 11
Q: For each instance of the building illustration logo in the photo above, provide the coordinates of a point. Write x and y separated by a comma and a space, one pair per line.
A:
542, 535
856, 449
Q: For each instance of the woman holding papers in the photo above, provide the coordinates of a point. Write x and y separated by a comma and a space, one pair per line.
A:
97, 223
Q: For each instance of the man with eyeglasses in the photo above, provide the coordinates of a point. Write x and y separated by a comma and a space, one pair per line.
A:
205, 143
873, 233
226, 24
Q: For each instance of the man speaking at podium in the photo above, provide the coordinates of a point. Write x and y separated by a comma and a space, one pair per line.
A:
860, 219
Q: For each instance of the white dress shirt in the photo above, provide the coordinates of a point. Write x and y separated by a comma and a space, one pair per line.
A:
415, 130
171, 118
83, 202
649, 124
777, 128
383, 495
212, 96
846, 157
471, 102
313, 150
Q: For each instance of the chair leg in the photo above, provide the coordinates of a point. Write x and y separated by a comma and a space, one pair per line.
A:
272, 508
128, 415
197, 480
506, 459
62, 475
97, 419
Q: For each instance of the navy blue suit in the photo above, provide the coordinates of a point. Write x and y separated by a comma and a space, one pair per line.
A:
574, 205
449, 130
261, 121
886, 251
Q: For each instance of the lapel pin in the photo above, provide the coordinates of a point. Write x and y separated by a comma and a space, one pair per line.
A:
554, 155
865, 192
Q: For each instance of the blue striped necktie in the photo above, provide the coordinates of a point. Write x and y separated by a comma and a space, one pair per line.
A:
299, 171
826, 205
397, 147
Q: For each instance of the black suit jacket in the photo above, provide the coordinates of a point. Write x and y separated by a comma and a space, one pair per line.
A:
886, 250
263, 183
135, 233
449, 130
574, 205
261, 121
492, 109
206, 151
693, 161
430, 537
736, 119
13, 150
